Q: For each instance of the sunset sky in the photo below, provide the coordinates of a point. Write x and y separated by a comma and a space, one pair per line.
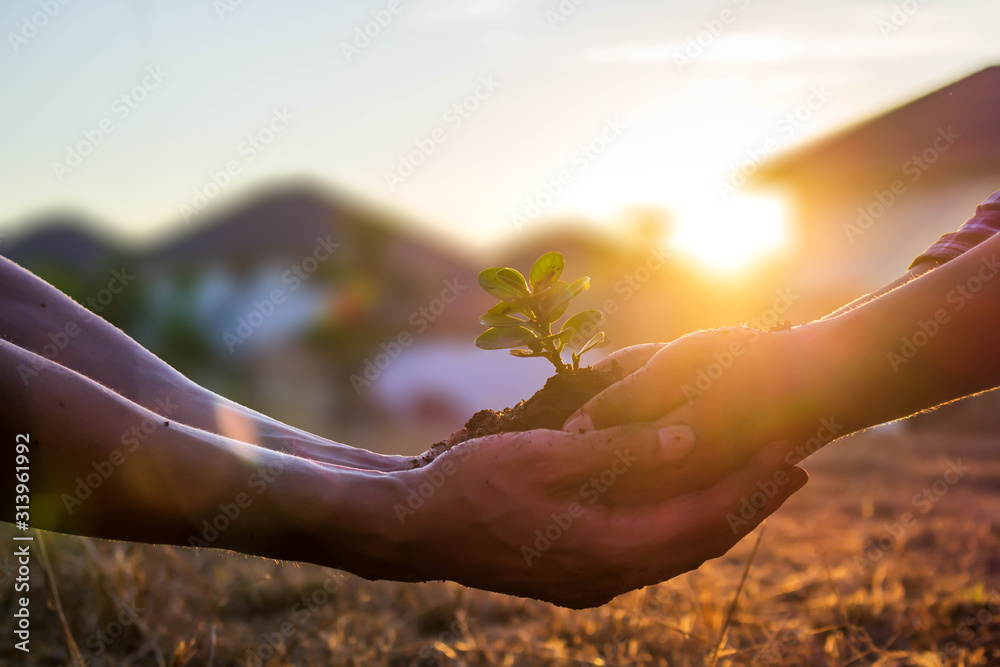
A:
679, 108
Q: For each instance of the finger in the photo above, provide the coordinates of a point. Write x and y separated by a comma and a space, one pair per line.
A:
667, 381
639, 397
630, 359
635, 450
673, 376
696, 527
740, 502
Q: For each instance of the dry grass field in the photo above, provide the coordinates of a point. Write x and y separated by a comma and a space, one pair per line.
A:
830, 585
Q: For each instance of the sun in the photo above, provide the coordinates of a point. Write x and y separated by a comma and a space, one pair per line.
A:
734, 235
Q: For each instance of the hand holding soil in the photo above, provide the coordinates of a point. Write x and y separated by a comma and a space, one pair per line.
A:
574, 519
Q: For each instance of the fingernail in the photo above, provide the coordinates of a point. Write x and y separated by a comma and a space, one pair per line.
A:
579, 424
799, 478
677, 441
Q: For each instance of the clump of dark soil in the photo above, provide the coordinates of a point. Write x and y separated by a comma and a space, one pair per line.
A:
562, 395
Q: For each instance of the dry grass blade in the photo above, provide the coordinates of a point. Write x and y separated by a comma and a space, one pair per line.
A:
140, 623
211, 648
74, 650
736, 596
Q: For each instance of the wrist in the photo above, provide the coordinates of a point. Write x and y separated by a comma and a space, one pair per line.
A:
324, 514
836, 367
372, 536
861, 385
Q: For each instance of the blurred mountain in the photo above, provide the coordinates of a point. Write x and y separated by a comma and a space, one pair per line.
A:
64, 240
286, 221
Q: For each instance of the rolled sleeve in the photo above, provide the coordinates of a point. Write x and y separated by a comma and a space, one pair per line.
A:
984, 224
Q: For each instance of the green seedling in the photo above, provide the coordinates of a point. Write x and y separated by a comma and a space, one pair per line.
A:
524, 319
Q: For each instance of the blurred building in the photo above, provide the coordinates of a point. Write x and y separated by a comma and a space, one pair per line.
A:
870, 198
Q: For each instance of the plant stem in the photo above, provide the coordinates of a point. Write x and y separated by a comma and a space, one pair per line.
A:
545, 329
556, 359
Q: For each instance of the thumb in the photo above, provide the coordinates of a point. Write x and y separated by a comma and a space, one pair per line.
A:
643, 396
630, 359
668, 380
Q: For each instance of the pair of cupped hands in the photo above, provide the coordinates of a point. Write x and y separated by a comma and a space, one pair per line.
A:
639, 486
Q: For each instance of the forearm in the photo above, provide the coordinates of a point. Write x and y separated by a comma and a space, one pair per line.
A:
105, 467
907, 277
41, 319
928, 342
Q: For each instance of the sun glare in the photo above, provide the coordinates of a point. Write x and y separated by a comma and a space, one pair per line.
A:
734, 235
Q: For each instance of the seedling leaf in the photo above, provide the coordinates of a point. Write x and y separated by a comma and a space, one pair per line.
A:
547, 268
592, 343
505, 308
539, 302
579, 285
581, 327
555, 302
506, 337
495, 320
505, 284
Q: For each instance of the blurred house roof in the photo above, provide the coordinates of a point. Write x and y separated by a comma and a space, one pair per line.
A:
875, 150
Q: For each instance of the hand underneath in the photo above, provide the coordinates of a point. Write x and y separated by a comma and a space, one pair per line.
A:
574, 519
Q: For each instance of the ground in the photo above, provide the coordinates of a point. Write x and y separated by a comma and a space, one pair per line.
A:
890, 556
